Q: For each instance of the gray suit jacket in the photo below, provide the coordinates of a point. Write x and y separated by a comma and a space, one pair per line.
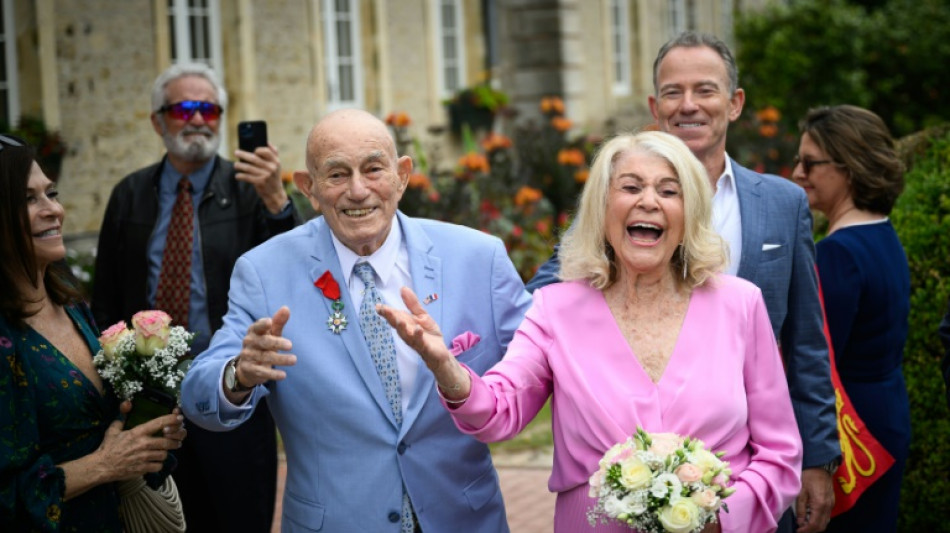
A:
775, 216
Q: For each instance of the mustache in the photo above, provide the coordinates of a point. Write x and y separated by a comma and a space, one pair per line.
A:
189, 130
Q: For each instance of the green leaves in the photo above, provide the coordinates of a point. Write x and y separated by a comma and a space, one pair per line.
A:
890, 58
922, 220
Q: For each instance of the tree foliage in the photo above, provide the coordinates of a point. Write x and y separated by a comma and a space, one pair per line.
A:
889, 56
922, 220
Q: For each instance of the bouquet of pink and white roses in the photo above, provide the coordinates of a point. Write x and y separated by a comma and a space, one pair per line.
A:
145, 364
660, 483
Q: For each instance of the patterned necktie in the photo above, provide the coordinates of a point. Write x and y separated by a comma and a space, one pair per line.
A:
379, 338
174, 280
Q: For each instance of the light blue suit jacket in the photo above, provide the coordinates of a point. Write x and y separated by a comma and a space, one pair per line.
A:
346, 459
778, 255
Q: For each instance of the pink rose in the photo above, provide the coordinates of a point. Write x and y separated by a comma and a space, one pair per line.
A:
688, 473
151, 331
706, 499
597, 481
665, 443
624, 454
111, 338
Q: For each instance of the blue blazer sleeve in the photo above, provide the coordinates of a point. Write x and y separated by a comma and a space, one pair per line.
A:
546, 274
805, 350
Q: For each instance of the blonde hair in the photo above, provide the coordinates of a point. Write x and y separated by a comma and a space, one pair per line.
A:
585, 253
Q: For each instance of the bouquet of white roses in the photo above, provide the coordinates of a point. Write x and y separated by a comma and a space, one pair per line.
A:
660, 483
144, 364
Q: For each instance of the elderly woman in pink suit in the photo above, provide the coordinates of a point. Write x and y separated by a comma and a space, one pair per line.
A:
643, 331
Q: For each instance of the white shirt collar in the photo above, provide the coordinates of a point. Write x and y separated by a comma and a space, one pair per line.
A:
383, 260
727, 178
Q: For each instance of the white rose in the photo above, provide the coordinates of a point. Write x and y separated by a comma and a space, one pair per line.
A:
706, 461
635, 474
680, 516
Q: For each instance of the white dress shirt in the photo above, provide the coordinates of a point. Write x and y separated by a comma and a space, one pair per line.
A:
391, 263
725, 216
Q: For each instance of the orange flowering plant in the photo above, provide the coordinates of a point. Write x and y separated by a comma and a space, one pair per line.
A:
552, 160
762, 140
489, 188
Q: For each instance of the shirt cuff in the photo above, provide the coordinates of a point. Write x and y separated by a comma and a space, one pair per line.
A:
285, 212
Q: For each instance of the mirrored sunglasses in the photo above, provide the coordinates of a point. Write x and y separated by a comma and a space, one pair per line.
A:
186, 109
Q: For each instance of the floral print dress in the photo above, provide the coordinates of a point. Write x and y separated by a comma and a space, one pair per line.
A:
50, 413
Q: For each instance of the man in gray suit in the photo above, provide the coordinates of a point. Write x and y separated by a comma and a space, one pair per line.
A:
767, 223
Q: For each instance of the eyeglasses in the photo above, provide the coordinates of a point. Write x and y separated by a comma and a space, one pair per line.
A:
4, 140
186, 109
808, 164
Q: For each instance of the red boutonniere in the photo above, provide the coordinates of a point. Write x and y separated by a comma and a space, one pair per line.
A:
331, 289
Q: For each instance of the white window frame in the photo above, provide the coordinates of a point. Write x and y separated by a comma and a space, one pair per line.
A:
334, 61
181, 15
443, 33
677, 13
620, 46
11, 85
727, 19
682, 15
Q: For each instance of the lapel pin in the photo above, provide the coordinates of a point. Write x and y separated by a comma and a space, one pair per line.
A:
430, 298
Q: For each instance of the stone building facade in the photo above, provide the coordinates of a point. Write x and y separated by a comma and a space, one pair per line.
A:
86, 66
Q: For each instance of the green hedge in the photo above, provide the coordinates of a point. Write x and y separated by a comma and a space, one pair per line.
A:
922, 220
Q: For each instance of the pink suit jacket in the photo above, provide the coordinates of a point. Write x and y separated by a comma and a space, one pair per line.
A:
724, 384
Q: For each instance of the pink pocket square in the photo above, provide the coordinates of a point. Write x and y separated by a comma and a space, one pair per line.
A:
463, 342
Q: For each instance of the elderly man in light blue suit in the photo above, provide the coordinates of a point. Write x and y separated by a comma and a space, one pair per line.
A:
369, 447
766, 222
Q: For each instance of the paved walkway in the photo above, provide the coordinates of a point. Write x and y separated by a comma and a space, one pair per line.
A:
524, 484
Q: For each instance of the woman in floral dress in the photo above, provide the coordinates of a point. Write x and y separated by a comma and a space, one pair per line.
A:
61, 445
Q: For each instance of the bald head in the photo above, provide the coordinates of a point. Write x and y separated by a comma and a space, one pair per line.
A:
354, 177
346, 124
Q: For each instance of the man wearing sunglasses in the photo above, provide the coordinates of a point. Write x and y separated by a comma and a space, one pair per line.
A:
227, 481
767, 224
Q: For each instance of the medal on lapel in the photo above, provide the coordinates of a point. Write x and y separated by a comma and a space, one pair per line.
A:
336, 322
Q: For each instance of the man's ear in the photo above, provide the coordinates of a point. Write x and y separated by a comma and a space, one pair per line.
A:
651, 101
304, 182
157, 123
736, 103
404, 169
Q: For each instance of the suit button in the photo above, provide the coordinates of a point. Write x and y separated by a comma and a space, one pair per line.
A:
401, 449
394, 517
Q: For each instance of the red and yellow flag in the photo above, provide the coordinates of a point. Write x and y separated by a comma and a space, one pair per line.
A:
863, 458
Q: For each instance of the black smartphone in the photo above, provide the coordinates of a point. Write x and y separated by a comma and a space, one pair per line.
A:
252, 134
